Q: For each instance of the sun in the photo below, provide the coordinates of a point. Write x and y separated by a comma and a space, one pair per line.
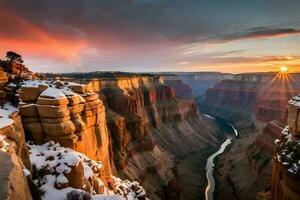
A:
284, 69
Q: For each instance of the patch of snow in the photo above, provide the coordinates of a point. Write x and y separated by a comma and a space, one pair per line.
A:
5, 113
58, 160
53, 93
288, 151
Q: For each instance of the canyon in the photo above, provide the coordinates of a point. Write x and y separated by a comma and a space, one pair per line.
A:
144, 136
256, 104
134, 127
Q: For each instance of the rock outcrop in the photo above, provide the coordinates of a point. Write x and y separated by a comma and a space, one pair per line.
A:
286, 160
285, 171
71, 115
14, 159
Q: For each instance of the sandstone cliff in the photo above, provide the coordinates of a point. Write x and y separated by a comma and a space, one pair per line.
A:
285, 170
136, 127
248, 101
145, 112
13, 156
261, 94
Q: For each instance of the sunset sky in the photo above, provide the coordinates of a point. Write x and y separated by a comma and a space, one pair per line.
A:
152, 35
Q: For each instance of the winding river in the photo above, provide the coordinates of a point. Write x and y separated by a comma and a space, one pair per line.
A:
210, 188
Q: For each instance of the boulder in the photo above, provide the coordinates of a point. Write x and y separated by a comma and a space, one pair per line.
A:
76, 176
28, 93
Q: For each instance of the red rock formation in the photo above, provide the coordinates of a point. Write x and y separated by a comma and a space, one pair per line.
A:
140, 109
13, 158
75, 120
286, 162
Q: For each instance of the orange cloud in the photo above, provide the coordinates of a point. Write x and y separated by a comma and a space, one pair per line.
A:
26, 38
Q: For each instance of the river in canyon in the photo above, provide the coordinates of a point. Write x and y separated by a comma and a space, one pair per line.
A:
230, 132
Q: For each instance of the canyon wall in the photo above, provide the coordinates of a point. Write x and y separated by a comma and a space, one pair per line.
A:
153, 114
261, 96
286, 160
137, 127
250, 102
14, 157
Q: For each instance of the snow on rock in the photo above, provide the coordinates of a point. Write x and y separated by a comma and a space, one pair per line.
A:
5, 112
53, 93
288, 152
131, 190
295, 101
58, 167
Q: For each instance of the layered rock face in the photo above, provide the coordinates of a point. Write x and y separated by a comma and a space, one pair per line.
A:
293, 120
71, 115
121, 122
233, 100
261, 94
286, 161
143, 112
13, 157
242, 101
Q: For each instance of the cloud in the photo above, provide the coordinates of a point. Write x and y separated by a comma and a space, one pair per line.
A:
261, 32
119, 34
21, 35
